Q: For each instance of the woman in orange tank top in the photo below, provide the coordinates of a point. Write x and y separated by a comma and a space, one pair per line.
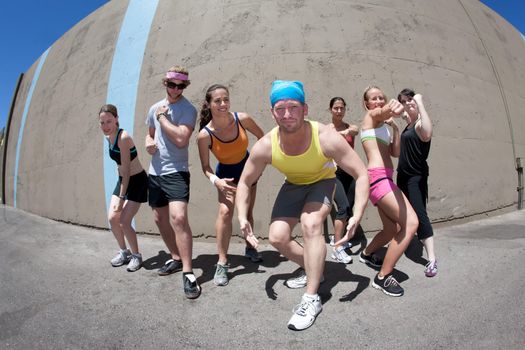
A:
224, 133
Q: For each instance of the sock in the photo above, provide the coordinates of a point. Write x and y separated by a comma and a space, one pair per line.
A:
380, 278
311, 297
123, 251
137, 255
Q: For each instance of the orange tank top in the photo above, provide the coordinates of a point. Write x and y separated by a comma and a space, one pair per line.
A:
233, 151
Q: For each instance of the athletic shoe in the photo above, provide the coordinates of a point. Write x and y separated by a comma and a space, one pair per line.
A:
304, 314
221, 275
122, 257
170, 267
388, 285
299, 281
192, 290
135, 263
370, 260
341, 256
253, 255
431, 269
345, 245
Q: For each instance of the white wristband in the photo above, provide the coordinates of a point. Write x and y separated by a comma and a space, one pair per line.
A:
213, 178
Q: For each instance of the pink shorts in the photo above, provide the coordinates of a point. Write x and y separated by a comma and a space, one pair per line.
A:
380, 183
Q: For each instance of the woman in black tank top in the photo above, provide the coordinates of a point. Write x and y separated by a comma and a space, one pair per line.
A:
412, 170
130, 190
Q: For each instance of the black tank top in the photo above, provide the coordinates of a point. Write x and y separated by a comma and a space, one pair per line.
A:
114, 150
414, 154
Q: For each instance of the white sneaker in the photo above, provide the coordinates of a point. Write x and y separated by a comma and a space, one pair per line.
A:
345, 245
135, 262
341, 256
299, 281
122, 257
305, 313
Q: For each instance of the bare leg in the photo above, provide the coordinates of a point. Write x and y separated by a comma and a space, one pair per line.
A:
253, 194
178, 214
126, 216
280, 236
312, 220
339, 227
114, 223
162, 219
397, 207
223, 226
428, 243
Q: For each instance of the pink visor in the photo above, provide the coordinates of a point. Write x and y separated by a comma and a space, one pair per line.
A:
176, 76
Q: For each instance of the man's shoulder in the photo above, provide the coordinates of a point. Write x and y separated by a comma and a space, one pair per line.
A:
157, 104
185, 104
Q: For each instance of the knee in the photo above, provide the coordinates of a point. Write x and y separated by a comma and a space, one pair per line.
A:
311, 228
114, 219
178, 221
277, 240
225, 213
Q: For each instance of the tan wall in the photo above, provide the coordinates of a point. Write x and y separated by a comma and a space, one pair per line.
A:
440, 48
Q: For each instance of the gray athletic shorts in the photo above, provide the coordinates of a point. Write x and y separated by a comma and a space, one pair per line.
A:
291, 198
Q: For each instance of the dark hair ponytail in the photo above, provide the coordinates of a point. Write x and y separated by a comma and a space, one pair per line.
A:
205, 114
406, 92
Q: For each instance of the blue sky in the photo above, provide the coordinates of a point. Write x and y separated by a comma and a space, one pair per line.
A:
29, 27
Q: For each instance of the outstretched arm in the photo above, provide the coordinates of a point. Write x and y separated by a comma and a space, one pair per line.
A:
254, 167
347, 159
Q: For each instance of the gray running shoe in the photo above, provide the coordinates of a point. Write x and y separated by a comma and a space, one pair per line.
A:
221, 275
122, 257
192, 290
253, 255
135, 263
170, 267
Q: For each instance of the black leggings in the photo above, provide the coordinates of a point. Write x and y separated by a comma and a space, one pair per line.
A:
416, 190
344, 194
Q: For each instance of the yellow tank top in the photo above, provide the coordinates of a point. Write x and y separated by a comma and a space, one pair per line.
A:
306, 168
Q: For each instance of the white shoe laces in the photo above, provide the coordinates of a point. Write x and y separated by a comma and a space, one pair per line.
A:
303, 307
391, 281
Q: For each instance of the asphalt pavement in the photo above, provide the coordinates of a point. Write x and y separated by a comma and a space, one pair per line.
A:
58, 291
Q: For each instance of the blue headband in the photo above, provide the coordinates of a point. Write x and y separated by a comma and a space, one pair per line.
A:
285, 89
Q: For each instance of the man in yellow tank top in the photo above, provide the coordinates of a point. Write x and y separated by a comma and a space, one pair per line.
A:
304, 151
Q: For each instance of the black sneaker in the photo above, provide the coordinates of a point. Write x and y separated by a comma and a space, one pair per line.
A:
370, 260
388, 285
170, 267
191, 286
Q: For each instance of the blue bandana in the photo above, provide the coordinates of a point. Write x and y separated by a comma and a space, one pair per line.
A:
285, 89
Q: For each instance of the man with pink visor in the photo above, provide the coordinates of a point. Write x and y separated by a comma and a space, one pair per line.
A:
171, 122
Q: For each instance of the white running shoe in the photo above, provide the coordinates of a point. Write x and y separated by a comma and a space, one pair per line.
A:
304, 314
122, 257
135, 262
341, 256
299, 281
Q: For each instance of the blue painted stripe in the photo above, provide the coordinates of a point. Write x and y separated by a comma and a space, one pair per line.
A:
125, 75
523, 36
24, 118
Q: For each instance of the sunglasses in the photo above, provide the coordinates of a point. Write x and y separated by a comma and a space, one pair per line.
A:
172, 85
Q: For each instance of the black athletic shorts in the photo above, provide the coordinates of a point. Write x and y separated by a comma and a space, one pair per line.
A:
137, 188
169, 188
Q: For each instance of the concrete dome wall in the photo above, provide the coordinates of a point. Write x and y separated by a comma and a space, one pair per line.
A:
467, 61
